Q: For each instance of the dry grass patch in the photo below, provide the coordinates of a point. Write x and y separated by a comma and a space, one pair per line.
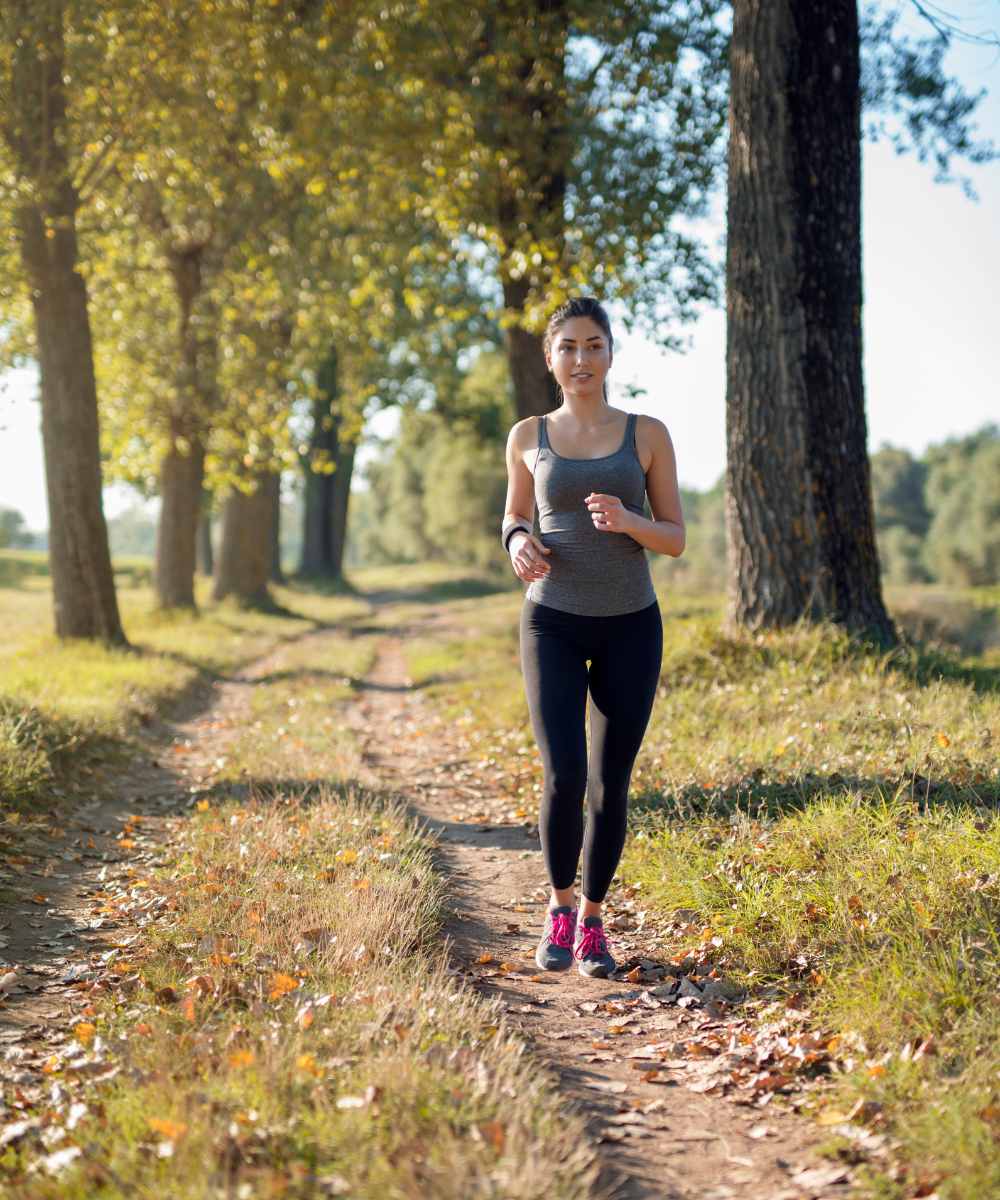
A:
293, 1030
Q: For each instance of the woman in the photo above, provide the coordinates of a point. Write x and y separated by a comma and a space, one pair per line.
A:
590, 599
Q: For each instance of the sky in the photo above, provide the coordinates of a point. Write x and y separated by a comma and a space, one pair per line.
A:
931, 317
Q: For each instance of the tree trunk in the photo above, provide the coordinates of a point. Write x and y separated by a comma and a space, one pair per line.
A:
183, 467
34, 125
317, 493
203, 547
340, 502
181, 475
327, 496
326, 492
533, 125
534, 385
243, 564
799, 515
273, 485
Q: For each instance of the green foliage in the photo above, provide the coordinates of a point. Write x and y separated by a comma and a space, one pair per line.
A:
963, 490
937, 518
898, 481
702, 566
439, 488
13, 530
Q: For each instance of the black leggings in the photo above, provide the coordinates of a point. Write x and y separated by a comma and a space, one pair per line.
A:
625, 654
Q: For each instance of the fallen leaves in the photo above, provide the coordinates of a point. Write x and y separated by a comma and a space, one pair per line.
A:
172, 1130
281, 985
84, 1033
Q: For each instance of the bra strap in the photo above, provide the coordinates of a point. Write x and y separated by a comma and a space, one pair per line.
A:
543, 436
630, 432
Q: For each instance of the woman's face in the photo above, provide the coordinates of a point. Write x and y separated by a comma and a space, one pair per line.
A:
580, 357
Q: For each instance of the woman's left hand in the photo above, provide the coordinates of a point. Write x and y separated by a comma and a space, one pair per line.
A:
609, 513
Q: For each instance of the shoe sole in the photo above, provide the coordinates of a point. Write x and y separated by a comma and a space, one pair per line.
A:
601, 972
556, 967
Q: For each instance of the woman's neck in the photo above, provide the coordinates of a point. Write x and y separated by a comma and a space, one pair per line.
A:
587, 413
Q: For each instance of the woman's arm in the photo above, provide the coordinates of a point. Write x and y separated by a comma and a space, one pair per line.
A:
526, 551
666, 533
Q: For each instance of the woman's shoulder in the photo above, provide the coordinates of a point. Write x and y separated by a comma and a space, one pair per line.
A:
523, 434
644, 422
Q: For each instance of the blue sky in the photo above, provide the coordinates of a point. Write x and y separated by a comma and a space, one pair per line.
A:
931, 317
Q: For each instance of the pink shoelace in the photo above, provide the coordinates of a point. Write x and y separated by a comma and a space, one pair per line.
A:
592, 941
562, 930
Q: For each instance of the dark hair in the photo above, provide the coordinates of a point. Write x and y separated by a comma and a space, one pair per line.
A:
579, 306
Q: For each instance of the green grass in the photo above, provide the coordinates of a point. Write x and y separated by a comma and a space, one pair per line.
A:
830, 814
71, 705
288, 1024
291, 1029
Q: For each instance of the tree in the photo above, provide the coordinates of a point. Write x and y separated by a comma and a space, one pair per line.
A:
898, 484
572, 136
13, 531
800, 524
36, 129
963, 493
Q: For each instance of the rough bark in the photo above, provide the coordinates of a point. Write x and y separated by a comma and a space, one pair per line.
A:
182, 468
181, 475
273, 484
799, 512
243, 564
34, 125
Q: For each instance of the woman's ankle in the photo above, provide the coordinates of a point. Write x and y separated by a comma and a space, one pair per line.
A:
562, 897
590, 908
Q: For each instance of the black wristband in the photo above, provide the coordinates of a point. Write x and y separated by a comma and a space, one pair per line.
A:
510, 533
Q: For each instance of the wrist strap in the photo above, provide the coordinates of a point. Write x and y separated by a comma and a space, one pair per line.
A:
515, 527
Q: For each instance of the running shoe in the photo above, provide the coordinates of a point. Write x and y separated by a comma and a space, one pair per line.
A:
591, 948
555, 950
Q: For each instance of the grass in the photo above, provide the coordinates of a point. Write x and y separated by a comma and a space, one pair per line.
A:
291, 1029
66, 707
286, 1024
829, 814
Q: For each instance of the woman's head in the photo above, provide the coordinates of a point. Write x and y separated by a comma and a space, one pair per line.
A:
578, 347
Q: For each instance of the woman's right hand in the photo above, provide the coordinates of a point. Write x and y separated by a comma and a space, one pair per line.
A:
526, 556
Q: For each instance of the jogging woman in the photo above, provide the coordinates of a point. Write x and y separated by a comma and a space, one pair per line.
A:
590, 600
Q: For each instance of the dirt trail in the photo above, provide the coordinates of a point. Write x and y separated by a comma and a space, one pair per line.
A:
657, 1139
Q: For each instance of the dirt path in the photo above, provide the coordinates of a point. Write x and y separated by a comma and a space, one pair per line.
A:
657, 1137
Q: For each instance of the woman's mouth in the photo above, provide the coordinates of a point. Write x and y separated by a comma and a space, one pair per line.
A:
581, 374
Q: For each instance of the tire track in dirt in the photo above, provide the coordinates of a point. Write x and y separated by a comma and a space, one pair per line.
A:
655, 1139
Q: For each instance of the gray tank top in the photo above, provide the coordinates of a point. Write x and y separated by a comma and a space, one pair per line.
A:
591, 571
